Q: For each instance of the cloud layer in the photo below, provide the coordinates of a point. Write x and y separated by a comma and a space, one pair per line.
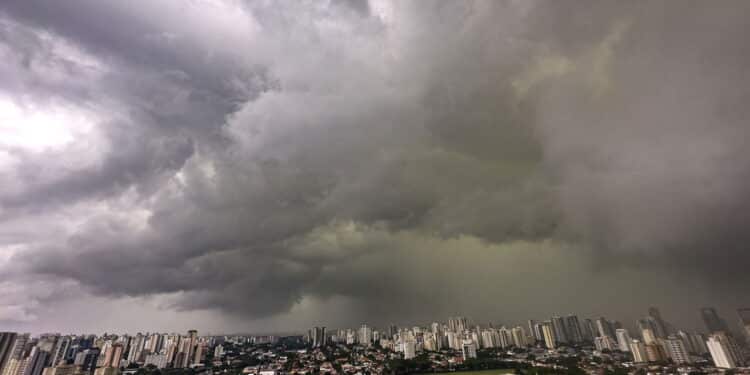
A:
269, 161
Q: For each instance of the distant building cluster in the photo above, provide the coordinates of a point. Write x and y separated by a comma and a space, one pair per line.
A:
455, 334
55, 354
655, 340
594, 343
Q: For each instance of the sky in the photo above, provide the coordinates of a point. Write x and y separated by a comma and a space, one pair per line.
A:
267, 166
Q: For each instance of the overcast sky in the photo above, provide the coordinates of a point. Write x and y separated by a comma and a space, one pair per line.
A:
270, 165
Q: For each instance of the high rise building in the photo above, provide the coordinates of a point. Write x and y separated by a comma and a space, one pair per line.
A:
151, 343
638, 349
655, 353
605, 342
676, 350
87, 359
435, 329
457, 324
698, 342
439, 336
519, 336
504, 338
468, 349
453, 340
604, 328
659, 326
722, 351
136, 348
113, 356
623, 339
60, 351
171, 349
428, 342
488, 340
18, 358
648, 336
531, 324
159, 360
410, 349
474, 336
192, 336
644, 323
318, 337
19, 346
14, 366
35, 361
365, 335
685, 337
559, 327
393, 330
573, 329
47, 343
184, 349
7, 339
589, 330
199, 354
538, 333
549, 335
179, 360
713, 322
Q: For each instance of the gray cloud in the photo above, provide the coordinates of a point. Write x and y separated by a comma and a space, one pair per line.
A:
406, 159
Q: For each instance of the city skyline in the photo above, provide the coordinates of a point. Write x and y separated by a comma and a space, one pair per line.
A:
566, 344
252, 165
736, 325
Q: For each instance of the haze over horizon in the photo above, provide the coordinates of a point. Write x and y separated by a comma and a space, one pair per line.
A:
265, 166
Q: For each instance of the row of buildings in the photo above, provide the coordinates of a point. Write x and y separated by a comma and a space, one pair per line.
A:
655, 340
55, 354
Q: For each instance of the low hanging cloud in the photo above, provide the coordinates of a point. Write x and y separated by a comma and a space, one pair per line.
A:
410, 159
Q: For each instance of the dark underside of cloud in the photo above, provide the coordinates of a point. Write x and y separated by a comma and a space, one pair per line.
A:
414, 159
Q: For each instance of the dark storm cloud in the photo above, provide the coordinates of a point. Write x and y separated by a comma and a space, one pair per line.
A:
653, 162
249, 155
154, 103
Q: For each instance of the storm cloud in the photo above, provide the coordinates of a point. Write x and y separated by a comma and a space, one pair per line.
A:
372, 161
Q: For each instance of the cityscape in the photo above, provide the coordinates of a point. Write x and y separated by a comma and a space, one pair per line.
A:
561, 344
374, 187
